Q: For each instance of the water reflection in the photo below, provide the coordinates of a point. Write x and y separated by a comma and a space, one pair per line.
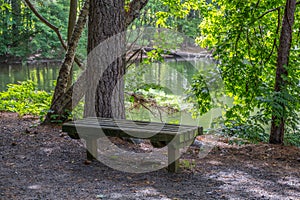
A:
43, 74
173, 75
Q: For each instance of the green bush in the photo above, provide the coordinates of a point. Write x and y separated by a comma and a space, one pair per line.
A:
292, 139
23, 98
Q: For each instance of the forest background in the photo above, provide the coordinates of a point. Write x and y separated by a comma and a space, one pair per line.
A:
242, 37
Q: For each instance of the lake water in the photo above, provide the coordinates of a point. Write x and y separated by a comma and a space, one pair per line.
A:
43, 74
169, 74
176, 77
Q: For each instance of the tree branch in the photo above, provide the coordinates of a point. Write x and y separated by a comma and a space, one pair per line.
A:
238, 38
248, 49
274, 9
257, 3
267, 12
45, 21
53, 27
135, 6
275, 39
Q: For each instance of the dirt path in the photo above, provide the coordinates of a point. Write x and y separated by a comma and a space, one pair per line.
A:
43, 163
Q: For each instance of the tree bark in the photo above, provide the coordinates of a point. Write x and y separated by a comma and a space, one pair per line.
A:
71, 25
278, 122
135, 6
106, 65
68, 100
65, 70
72, 18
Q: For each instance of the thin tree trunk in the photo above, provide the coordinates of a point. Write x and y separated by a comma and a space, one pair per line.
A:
72, 18
71, 25
278, 122
65, 70
69, 100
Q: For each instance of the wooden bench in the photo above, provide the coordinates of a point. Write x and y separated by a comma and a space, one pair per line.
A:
89, 128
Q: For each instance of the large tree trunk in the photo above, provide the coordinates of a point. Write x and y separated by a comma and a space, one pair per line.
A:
69, 99
278, 122
106, 65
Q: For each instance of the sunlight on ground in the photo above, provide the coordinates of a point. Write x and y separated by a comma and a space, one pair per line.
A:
240, 185
143, 192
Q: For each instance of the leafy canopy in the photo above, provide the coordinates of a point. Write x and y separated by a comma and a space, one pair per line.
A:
244, 38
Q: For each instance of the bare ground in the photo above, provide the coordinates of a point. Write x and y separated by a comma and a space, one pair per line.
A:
40, 162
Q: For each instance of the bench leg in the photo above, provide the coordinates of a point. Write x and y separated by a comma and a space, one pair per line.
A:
173, 159
91, 148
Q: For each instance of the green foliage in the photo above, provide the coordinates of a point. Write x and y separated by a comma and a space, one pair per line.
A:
31, 35
27, 35
182, 16
23, 98
77, 112
177, 12
292, 139
244, 37
154, 56
199, 95
243, 131
134, 77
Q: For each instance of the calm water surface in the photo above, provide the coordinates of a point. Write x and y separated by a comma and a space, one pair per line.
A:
43, 75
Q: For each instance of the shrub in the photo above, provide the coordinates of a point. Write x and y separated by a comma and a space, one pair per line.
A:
23, 98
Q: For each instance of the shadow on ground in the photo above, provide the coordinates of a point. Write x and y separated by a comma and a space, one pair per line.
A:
42, 163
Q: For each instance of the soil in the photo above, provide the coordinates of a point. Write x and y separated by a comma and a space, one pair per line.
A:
41, 162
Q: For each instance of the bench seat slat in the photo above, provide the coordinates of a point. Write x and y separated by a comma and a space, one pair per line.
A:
149, 129
133, 125
129, 123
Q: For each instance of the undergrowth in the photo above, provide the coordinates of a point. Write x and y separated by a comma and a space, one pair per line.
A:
24, 98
